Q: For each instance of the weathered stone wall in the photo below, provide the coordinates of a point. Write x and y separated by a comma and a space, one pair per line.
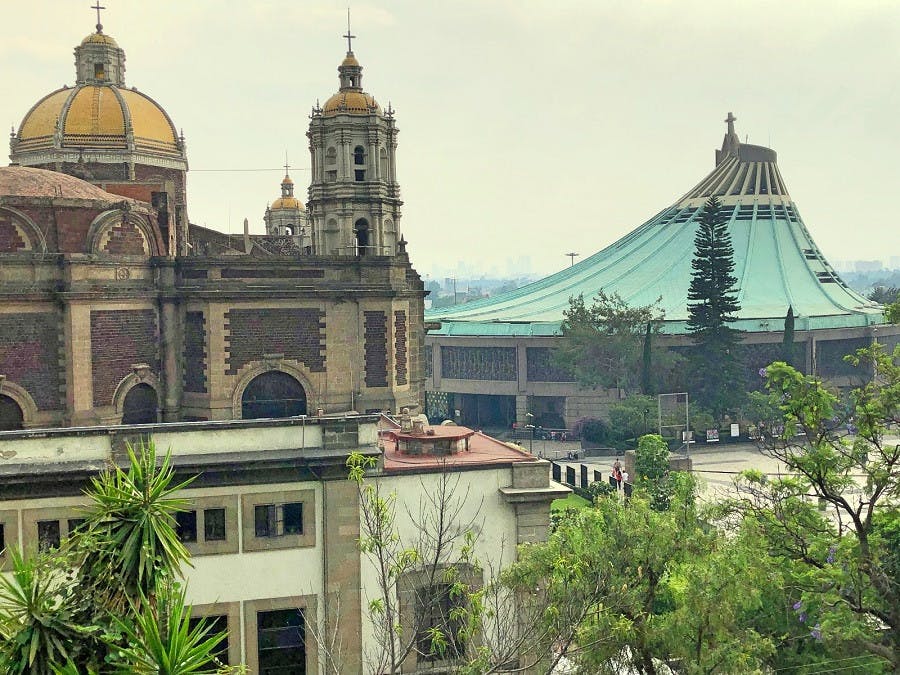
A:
195, 352
120, 339
376, 349
29, 355
400, 348
296, 333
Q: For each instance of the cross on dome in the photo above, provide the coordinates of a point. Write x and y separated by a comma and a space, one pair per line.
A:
98, 7
349, 36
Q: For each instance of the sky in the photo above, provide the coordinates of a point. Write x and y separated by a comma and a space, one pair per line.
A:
528, 128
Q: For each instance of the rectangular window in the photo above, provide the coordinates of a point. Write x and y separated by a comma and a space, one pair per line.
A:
48, 534
75, 524
281, 642
99, 72
360, 175
433, 610
186, 526
331, 176
214, 624
275, 520
214, 524
293, 518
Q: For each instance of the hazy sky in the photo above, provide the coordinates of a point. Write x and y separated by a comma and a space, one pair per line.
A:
527, 128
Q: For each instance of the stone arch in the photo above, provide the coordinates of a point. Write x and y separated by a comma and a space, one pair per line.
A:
121, 232
12, 417
18, 233
140, 375
140, 405
362, 235
275, 365
19, 397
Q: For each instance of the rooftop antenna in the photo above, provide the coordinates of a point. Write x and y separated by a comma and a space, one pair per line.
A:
349, 36
98, 7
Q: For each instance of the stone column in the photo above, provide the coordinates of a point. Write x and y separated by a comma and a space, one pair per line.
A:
170, 336
342, 573
79, 375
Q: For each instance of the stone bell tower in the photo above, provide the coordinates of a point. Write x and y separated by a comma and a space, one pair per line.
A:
354, 198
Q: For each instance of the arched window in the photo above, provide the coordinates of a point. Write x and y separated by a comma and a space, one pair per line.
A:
359, 155
330, 157
141, 405
11, 416
273, 394
361, 230
289, 229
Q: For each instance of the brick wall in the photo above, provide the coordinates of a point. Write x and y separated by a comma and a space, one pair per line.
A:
125, 239
376, 349
400, 346
120, 339
296, 333
194, 379
29, 355
10, 237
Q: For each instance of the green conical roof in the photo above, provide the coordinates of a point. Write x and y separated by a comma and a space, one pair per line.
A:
777, 263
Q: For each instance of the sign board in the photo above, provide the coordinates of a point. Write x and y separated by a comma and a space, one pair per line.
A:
712, 435
735, 430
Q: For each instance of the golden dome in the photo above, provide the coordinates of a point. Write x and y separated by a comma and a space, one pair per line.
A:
287, 181
287, 203
97, 116
350, 60
351, 103
99, 39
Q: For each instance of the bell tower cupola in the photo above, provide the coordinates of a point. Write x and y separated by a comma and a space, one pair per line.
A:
354, 198
99, 59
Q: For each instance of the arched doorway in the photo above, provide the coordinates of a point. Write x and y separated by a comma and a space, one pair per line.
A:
361, 230
273, 394
11, 416
140, 406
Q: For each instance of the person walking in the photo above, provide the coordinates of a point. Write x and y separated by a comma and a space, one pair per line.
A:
617, 473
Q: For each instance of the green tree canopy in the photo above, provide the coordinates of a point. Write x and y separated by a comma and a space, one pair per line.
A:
603, 343
712, 307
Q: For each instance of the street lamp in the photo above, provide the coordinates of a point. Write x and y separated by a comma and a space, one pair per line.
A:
529, 424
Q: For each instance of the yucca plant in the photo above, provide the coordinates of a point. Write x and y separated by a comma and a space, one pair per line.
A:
160, 640
37, 628
130, 538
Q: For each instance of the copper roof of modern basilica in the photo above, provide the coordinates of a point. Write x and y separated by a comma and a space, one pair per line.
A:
777, 263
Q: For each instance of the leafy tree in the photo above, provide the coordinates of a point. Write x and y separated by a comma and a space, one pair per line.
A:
107, 599
603, 344
712, 307
635, 589
848, 556
885, 295
632, 417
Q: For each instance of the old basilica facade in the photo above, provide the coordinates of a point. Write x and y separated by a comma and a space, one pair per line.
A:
115, 309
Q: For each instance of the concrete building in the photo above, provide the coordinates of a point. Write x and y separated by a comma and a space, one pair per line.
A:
273, 521
490, 359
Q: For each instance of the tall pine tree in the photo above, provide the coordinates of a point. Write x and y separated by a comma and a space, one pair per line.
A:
712, 308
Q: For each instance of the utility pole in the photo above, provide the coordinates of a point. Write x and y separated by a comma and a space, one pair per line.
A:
572, 257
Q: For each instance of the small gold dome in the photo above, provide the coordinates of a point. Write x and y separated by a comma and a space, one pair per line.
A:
99, 39
94, 116
351, 103
287, 181
350, 60
287, 203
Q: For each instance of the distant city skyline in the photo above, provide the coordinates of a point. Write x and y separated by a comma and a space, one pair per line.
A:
528, 129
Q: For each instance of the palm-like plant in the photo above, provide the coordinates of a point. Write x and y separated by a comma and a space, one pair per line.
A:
130, 535
37, 628
161, 640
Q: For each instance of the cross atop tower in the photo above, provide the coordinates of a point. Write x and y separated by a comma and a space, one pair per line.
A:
349, 36
730, 120
98, 7
286, 165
